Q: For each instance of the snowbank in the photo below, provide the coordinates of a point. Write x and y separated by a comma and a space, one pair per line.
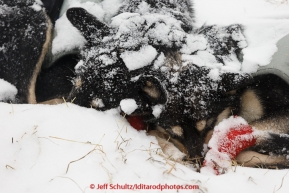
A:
264, 21
66, 148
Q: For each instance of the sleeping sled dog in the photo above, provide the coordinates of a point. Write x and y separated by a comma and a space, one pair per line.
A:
191, 101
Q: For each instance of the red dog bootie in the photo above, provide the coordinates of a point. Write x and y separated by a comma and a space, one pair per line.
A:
230, 137
137, 122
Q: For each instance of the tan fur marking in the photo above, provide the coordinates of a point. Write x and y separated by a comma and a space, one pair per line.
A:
151, 90
170, 150
178, 130
160, 129
179, 145
170, 147
232, 92
149, 83
251, 106
52, 102
210, 122
277, 124
251, 159
78, 83
223, 115
31, 91
162, 133
173, 60
200, 125
208, 136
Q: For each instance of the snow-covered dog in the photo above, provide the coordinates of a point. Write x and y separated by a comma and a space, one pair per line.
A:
148, 53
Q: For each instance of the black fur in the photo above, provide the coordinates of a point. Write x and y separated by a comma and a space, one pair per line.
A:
182, 10
91, 28
53, 8
56, 81
23, 35
273, 92
191, 97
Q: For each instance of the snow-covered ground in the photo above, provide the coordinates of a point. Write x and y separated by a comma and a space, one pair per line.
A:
66, 148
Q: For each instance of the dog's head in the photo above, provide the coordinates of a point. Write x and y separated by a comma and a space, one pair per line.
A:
122, 60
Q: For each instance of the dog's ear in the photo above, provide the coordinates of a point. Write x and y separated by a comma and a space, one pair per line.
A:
230, 81
88, 25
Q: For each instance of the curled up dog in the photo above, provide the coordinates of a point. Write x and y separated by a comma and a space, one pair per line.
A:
151, 53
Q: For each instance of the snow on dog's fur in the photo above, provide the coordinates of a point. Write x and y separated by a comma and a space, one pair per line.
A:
150, 52
25, 39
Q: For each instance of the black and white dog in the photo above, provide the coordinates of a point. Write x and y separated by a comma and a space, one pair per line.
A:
143, 55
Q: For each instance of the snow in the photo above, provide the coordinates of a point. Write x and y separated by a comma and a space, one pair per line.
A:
128, 106
67, 43
39, 142
157, 110
138, 59
7, 91
265, 22
36, 6
98, 103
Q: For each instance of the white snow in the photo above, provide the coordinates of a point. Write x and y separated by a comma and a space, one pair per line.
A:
67, 37
214, 74
7, 91
157, 110
79, 65
40, 145
39, 142
264, 21
138, 59
36, 5
194, 43
128, 106
64, 42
